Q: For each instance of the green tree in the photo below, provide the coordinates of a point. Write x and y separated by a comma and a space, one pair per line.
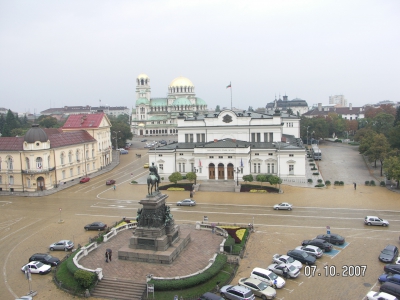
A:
378, 150
18, 132
394, 137
121, 132
248, 178
11, 122
274, 180
48, 122
397, 117
217, 108
261, 178
391, 166
382, 123
290, 111
175, 177
365, 140
191, 176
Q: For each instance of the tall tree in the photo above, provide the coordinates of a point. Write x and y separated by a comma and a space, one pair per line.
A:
397, 117
48, 122
383, 122
391, 166
11, 121
394, 137
217, 108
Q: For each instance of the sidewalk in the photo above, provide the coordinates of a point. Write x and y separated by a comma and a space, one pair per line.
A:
67, 184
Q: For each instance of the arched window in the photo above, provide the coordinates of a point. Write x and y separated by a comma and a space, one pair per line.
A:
11, 180
142, 81
87, 154
62, 157
10, 163
1, 179
92, 153
70, 155
28, 166
39, 163
77, 154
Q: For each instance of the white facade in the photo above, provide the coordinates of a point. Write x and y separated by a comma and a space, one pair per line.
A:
339, 100
218, 145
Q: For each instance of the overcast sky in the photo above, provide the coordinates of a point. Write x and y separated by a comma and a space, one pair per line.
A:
58, 53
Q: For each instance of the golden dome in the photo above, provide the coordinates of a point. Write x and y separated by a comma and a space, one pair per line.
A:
181, 81
144, 76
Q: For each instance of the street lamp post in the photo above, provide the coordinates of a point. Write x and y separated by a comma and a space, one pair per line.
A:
237, 175
279, 165
195, 170
116, 139
307, 136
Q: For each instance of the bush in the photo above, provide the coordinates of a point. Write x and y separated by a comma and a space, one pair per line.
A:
309, 180
184, 283
85, 278
338, 141
367, 182
327, 182
316, 173
320, 185
175, 189
183, 177
336, 182
133, 181
319, 180
382, 183
341, 183
70, 264
372, 182
311, 160
312, 164
313, 168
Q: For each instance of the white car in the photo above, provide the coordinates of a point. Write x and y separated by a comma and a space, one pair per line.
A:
373, 220
312, 250
268, 277
278, 269
187, 202
36, 267
380, 296
283, 205
285, 259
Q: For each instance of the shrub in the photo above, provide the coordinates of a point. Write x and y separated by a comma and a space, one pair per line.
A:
258, 191
367, 182
70, 264
372, 182
316, 173
327, 182
175, 189
320, 185
341, 183
314, 168
183, 177
382, 183
310, 180
310, 160
248, 178
175, 177
336, 182
133, 181
184, 283
338, 141
319, 180
85, 278
312, 164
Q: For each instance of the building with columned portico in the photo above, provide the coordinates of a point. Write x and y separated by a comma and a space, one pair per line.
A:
227, 145
158, 116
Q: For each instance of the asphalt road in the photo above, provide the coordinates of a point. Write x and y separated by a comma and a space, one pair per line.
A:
31, 224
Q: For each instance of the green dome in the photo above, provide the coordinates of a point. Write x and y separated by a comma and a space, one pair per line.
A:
182, 101
200, 101
142, 101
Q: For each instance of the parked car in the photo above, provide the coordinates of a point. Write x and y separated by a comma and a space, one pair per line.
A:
397, 261
394, 269
163, 142
96, 226
332, 238
278, 269
312, 250
84, 179
323, 245
395, 278
146, 165
236, 292
285, 259
302, 256
37, 267
268, 276
124, 151
187, 202
64, 245
380, 296
210, 296
258, 287
110, 182
283, 205
373, 220
389, 254
390, 288
45, 258
144, 140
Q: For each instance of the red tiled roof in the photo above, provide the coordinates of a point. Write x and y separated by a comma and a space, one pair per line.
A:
11, 143
60, 139
70, 138
82, 121
52, 130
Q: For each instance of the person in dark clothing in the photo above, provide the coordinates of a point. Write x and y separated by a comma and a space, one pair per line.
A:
355, 185
285, 272
107, 255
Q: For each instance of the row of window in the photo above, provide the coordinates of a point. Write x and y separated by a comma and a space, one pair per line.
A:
161, 131
200, 138
270, 168
256, 137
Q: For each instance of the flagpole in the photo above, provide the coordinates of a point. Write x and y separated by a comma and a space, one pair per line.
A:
231, 93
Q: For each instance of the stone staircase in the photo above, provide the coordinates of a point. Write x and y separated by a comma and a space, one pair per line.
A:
217, 186
118, 289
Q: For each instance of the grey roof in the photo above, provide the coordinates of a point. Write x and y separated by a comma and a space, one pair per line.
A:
36, 134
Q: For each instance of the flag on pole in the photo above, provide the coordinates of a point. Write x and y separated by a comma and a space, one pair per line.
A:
241, 163
228, 86
199, 163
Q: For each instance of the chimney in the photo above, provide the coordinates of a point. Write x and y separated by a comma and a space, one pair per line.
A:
285, 98
319, 106
215, 140
234, 140
350, 106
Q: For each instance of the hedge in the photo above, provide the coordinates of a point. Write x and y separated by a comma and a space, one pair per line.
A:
85, 278
184, 283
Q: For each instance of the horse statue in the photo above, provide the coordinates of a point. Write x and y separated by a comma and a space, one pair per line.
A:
152, 181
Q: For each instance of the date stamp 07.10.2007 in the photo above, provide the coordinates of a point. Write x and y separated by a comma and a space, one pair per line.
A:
332, 271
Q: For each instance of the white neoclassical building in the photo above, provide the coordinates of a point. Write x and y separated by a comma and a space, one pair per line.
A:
229, 144
158, 116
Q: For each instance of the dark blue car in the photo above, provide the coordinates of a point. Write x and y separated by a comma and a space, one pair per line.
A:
393, 278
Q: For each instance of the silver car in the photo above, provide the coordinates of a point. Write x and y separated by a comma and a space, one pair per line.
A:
312, 250
283, 205
278, 269
373, 220
64, 245
187, 202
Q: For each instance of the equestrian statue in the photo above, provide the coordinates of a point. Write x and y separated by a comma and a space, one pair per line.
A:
153, 180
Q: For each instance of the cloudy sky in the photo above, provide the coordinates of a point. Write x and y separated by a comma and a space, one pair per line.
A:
58, 53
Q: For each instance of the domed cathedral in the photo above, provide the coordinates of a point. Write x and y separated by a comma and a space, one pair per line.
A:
158, 116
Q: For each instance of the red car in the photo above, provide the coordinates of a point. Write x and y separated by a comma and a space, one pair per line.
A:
84, 179
110, 182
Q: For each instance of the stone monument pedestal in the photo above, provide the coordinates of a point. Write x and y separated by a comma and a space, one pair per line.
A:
156, 239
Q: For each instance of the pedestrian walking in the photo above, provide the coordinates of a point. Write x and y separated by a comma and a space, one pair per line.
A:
115, 187
355, 185
106, 257
191, 194
285, 272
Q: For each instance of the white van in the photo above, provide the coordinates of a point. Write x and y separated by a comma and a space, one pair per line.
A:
268, 277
